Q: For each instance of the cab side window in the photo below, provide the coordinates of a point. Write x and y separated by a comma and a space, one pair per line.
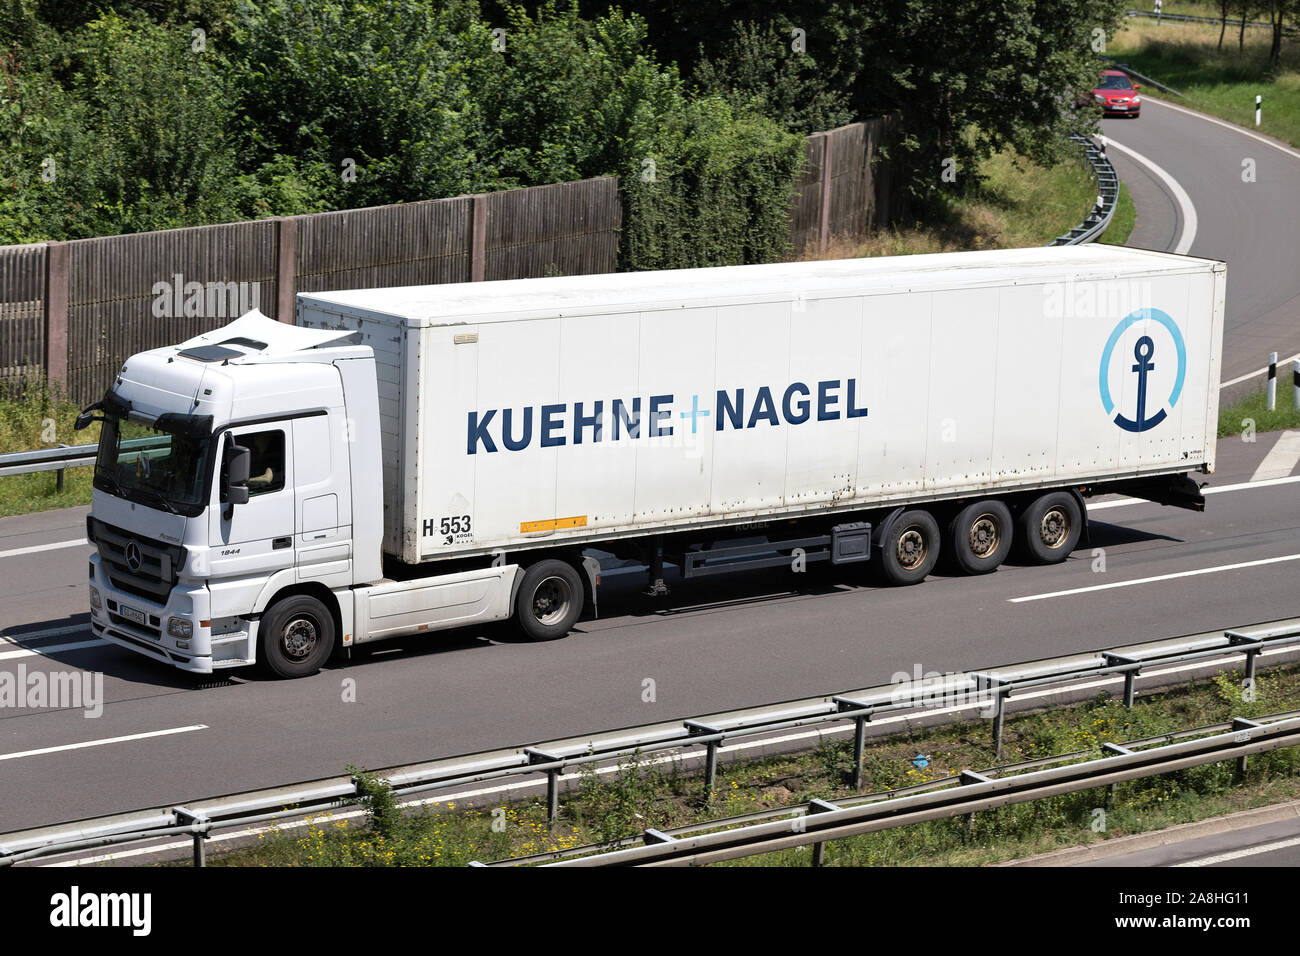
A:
266, 469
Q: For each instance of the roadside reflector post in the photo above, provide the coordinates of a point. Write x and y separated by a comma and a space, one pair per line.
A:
696, 729
552, 781
1259, 107
1295, 382
1272, 381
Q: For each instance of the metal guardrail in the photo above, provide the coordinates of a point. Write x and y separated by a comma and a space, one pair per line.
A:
48, 459
1103, 210
1143, 77
986, 690
1184, 18
67, 456
960, 794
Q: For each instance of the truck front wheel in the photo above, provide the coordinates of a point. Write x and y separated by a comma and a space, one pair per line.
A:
910, 549
549, 601
296, 636
1050, 527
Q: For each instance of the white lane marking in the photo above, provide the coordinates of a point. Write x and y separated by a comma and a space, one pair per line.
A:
1240, 486
43, 547
726, 750
1226, 125
8, 638
1260, 371
1158, 577
104, 741
1188, 234
1239, 854
1281, 458
49, 649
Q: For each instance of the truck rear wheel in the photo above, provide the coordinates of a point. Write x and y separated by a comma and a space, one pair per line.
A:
911, 548
549, 601
980, 536
1050, 527
296, 636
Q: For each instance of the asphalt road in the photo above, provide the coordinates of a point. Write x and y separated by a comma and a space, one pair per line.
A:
1270, 844
1253, 226
164, 737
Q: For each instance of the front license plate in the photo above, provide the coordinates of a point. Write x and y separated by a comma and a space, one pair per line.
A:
131, 614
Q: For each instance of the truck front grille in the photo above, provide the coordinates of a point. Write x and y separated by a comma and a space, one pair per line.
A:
156, 565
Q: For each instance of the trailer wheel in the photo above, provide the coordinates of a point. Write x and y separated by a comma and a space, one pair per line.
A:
549, 601
911, 548
296, 636
980, 536
1050, 527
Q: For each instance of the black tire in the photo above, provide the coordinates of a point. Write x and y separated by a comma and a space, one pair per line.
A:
1049, 529
549, 601
296, 636
979, 536
911, 549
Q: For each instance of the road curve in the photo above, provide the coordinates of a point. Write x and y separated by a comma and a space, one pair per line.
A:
1252, 224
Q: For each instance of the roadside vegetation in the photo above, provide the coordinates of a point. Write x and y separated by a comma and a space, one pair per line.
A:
1219, 78
650, 794
32, 417
1253, 409
1016, 203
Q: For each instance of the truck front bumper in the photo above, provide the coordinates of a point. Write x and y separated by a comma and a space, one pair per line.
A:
141, 625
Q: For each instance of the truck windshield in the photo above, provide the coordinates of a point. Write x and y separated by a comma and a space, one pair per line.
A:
154, 466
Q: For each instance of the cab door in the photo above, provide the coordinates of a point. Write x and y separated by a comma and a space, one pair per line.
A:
256, 539
324, 500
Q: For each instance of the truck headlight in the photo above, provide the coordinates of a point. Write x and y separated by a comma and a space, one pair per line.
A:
96, 602
180, 628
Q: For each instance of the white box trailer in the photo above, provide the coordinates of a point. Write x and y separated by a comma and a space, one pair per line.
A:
411, 459
526, 413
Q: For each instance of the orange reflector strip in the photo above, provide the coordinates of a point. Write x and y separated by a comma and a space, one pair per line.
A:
554, 524
205, 623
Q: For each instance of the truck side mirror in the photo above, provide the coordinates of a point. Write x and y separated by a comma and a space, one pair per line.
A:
87, 416
238, 460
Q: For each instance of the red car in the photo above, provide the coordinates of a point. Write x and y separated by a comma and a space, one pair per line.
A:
1117, 95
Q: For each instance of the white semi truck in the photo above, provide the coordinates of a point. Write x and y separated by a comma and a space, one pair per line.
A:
405, 460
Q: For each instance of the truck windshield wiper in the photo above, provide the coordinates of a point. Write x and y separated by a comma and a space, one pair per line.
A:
167, 505
115, 485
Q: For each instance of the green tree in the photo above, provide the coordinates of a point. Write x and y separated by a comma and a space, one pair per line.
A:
382, 88
119, 126
763, 70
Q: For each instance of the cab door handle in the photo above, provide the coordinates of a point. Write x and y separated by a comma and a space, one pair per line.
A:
279, 543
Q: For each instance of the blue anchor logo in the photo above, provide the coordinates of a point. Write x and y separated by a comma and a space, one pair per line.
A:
1143, 351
